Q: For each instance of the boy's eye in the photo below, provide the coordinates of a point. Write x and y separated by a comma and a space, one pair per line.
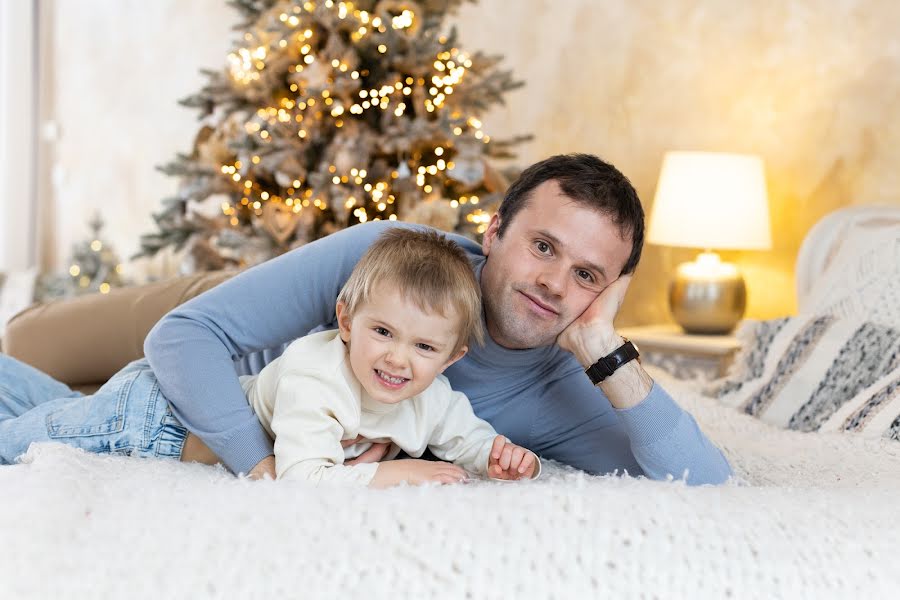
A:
425, 347
542, 246
382, 331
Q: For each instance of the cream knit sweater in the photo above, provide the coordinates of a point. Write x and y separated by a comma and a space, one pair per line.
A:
309, 400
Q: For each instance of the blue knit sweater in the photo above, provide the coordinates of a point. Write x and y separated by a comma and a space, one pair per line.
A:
539, 398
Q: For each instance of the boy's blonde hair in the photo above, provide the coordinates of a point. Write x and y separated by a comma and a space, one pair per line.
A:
427, 268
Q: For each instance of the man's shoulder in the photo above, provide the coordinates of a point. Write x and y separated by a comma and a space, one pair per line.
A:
364, 235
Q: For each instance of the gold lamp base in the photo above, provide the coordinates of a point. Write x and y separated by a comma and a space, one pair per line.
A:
707, 296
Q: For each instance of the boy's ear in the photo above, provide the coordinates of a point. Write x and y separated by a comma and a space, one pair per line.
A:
455, 357
343, 319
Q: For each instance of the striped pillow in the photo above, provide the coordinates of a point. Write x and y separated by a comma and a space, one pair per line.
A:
818, 373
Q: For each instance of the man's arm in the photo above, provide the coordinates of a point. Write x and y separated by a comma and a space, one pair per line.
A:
664, 439
576, 424
193, 348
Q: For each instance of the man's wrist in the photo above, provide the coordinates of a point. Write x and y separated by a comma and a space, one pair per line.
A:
629, 384
264, 467
593, 346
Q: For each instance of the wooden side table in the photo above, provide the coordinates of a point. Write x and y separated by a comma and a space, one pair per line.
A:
684, 355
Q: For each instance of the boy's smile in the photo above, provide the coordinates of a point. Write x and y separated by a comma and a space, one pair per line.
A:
389, 381
396, 348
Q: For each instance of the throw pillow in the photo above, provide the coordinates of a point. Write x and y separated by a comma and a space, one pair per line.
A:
863, 278
817, 373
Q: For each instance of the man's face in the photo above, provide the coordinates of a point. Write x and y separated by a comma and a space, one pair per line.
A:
552, 262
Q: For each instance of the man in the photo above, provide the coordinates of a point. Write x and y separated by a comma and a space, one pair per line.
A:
554, 267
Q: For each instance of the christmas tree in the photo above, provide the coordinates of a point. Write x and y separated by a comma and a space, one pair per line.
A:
331, 114
94, 267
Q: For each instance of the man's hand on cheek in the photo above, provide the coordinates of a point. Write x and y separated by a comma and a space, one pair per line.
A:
592, 335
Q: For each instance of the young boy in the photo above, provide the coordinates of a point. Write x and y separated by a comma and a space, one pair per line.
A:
404, 315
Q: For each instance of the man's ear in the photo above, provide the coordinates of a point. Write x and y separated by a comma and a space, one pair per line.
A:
490, 234
343, 319
455, 357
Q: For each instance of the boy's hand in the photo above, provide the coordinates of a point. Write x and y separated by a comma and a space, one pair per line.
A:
508, 461
375, 453
415, 471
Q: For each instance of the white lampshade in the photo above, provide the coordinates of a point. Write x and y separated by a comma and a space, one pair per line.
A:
711, 200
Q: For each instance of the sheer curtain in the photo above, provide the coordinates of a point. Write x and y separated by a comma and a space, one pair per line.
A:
18, 139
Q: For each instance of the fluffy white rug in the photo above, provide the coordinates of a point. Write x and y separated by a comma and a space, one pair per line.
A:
813, 516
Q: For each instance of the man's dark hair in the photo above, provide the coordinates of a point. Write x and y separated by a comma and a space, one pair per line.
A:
590, 181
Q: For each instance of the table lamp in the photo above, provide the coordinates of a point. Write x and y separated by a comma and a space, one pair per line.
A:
710, 200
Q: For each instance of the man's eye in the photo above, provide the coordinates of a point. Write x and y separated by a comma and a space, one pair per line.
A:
542, 246
425, 347
382, 331
585, 276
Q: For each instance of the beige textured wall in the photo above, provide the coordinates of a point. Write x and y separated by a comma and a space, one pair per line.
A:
813, 87
115, 70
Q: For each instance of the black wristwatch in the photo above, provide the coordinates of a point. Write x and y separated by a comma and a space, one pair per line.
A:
607, 365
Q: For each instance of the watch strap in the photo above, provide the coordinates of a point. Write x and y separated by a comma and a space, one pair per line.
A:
608, 364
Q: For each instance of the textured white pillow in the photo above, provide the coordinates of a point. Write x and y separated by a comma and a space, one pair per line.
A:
818, 373
863, 278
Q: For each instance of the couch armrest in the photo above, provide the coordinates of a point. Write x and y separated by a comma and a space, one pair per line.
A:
85, 340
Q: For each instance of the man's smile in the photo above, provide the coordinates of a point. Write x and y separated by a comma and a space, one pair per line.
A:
540, 307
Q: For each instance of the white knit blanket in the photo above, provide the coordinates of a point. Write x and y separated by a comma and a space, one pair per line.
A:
813, 516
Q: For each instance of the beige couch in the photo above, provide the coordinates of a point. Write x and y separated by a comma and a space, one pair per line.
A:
83, 341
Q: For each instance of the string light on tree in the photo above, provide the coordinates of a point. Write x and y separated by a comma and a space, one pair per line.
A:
360, 110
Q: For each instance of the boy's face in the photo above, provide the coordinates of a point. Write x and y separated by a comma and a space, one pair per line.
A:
397, 349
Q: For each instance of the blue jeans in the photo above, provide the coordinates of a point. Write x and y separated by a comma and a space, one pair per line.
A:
127, 416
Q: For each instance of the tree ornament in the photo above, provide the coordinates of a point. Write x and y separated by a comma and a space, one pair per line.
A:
435, 213
401, 15
328, 114
279, 220
468, 169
